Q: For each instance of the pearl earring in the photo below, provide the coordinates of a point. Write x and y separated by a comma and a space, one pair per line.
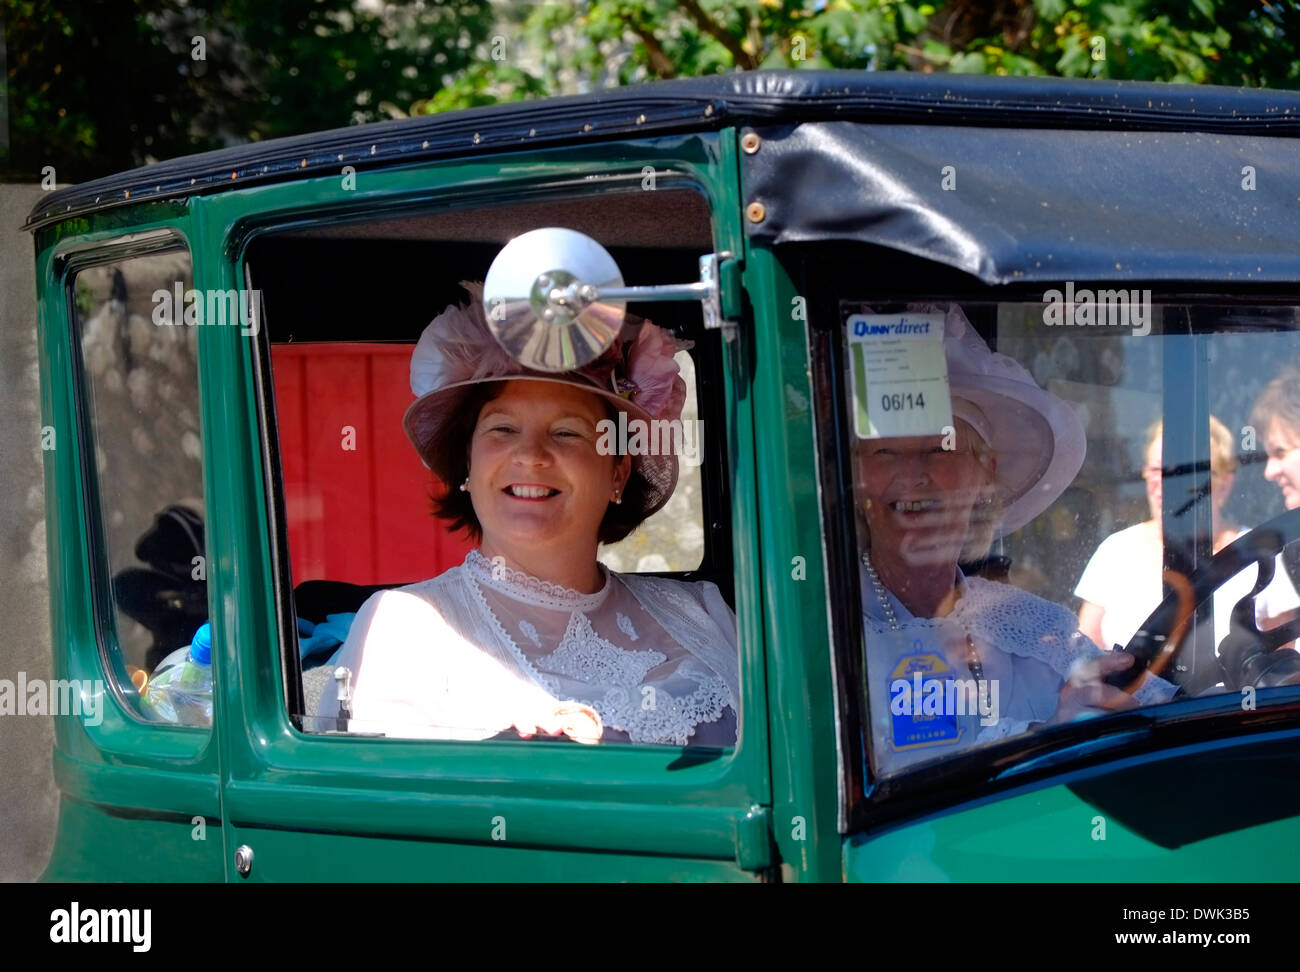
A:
464, 487
618, 498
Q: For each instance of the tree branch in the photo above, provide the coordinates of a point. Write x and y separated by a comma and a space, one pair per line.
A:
744, 60
660, 63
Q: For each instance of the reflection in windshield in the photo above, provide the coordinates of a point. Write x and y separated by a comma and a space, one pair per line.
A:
977, 521
1122, 585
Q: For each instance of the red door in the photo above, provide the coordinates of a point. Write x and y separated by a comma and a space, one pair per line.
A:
357, 497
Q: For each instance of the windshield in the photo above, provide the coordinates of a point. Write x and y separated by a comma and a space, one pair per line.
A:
1032, 479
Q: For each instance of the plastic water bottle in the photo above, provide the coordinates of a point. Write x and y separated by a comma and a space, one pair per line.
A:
180, 689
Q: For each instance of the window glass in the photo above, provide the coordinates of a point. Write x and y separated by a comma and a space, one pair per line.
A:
357, 501
142, 403
356, 494
343, 451
673, 538
1028, 490
406, 628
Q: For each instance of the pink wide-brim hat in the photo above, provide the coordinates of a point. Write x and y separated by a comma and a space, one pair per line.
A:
1038, 438
456, 352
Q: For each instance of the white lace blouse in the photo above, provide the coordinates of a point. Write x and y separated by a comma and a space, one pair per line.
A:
472, 651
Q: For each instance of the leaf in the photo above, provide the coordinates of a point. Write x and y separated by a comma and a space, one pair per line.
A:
1018, 64
970, 63
934, 51
1075, 61
913, 20
1118, 15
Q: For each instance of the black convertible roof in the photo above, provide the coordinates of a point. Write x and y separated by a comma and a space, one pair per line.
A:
701, 104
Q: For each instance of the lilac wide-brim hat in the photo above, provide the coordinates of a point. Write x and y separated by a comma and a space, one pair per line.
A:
1038, 438
637, 375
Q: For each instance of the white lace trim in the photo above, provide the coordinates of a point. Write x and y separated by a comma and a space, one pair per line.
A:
659, 723
1019, 623
530, 632
625, 626
532, 590
689, 623
583, 654
678, 600
503, 636
1012, 621
647, 714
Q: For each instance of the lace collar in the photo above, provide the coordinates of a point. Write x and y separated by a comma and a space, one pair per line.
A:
532, 590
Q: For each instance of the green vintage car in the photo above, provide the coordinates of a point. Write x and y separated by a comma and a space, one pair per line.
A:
224, 348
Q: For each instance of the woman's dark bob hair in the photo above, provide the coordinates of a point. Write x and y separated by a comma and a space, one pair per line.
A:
448, 457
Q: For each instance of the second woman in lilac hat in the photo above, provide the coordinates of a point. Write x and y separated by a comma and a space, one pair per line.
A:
923, 502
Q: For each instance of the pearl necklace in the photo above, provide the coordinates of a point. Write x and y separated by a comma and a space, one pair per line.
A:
973, 661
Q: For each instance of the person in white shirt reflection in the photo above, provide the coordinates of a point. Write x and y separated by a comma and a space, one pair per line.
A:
1122, 584
531, 633
1277, 415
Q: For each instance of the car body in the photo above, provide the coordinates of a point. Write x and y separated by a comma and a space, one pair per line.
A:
812, 188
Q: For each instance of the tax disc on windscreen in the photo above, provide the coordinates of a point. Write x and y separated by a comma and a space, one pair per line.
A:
919, 696
899, 375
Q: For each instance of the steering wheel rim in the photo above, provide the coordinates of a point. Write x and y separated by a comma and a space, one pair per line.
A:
1154, 645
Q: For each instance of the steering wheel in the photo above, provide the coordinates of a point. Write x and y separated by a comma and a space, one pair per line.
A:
1247, 656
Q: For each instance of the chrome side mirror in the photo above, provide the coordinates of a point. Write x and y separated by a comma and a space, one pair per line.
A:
555, 298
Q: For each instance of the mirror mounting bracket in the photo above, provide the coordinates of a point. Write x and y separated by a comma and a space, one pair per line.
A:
555, 298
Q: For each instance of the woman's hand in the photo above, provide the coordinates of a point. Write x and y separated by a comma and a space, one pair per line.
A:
579, 722
1085, 692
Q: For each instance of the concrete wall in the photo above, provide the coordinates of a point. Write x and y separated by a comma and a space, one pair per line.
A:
28, 798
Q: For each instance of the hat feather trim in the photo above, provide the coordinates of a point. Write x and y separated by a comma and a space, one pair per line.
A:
457, 346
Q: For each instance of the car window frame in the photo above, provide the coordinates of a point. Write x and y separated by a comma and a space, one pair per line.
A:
732, 781
718, 558
71, 261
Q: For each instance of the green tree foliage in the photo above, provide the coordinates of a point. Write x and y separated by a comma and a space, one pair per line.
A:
602, 42
96, 86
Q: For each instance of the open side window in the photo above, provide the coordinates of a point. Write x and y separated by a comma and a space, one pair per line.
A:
343, 304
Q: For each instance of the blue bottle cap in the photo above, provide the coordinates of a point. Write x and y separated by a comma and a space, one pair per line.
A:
201, 646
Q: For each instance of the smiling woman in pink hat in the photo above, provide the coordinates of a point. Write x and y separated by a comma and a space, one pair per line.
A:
925, 502
531, 633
